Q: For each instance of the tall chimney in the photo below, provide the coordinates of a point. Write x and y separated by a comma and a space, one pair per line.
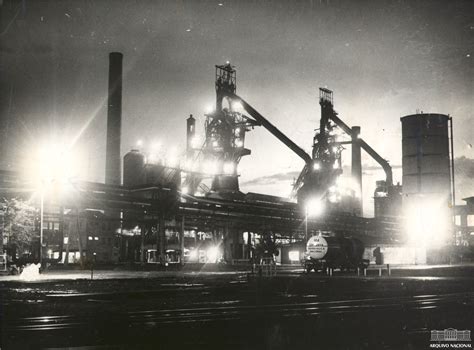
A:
190, 132
114, 120
356, 166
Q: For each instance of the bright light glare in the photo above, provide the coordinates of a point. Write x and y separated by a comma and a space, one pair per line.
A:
195, 142
314, 207
209, 108
229, 167
189, 165
30, 273
294, 255
139, 143
239, 143
193, 254
152, 158
237, 106
347, 185
155, 145
185, 190
52, 162
333, 198
316, 166
336, 165
212, 254
172, 158
427, 224
210, 167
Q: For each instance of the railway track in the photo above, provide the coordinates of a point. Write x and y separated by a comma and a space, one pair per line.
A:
236, 311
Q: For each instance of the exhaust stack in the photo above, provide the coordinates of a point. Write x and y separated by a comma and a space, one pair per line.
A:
114, 120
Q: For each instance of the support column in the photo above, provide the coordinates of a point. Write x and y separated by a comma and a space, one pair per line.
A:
356, 166
181, 240
61, 215
142, 243
463, 223
236, 241
190, 133
225, 241
249, 244
161, 238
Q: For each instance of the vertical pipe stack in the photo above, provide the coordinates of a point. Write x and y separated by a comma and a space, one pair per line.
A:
190, 132
356, 164
114, 120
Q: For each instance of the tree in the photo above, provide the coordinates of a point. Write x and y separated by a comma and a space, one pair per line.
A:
19, 225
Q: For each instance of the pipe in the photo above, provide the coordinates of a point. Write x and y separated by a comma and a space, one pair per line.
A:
452, 162
190, 132
114, 120
383, 163
270, 127
356, 163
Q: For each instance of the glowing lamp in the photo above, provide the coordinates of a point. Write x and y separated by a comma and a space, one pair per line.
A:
212, 254
237, 106
193, 254
294, 255
209, 108
314, 207
210, 167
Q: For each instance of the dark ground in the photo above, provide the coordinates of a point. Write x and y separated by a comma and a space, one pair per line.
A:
234, 310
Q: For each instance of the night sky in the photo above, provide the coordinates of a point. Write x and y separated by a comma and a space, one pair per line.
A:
382, 59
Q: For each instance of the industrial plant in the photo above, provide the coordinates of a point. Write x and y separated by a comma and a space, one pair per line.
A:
178, 208
236, 175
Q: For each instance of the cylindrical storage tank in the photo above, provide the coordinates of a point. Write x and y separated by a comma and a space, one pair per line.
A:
425, 151
426, 170
328, 248
134, 168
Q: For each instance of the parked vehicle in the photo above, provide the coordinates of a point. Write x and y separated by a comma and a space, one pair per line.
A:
342, 253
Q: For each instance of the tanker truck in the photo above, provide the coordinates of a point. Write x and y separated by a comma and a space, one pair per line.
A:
342, 253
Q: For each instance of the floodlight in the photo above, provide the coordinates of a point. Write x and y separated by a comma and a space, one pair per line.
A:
314, 207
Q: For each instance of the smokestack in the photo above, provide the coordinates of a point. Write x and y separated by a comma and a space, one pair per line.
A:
190, 132
356, 166
114, 120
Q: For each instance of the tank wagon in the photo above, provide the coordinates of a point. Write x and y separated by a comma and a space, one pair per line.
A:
342, 253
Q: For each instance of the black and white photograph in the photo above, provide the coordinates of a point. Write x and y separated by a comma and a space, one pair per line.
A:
236, 174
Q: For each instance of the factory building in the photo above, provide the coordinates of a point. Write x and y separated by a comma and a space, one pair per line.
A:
189, 207
464, 220
91, 234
